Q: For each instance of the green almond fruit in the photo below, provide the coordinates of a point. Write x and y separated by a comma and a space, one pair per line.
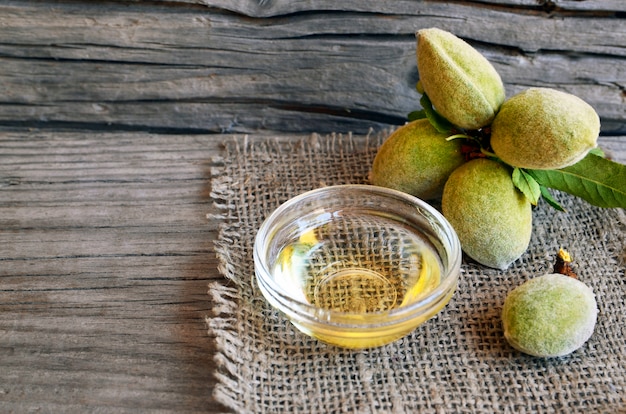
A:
492, 218
544, 129
549, 316
461, 83
417, 160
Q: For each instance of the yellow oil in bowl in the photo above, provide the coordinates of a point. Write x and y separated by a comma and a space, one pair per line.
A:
357, 266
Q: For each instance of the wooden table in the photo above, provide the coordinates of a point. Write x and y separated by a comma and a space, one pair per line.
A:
113, 115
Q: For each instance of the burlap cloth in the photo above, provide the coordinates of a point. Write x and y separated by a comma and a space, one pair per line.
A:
458, 362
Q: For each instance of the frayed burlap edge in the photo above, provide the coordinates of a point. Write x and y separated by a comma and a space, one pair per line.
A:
226, 295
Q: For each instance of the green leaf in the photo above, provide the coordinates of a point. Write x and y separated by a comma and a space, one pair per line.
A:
597, 151
440, 123
527, 185
599, 181
549, 199
415, 115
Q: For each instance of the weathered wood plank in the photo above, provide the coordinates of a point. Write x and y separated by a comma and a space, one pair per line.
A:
277, 7
143, 28
181, 67
564, 5
105, 257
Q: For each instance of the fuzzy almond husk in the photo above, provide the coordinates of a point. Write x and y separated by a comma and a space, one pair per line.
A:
549, 316
544, 129
417, 160
461, 83
492, 218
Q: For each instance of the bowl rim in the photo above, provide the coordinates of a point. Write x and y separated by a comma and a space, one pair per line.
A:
399, 314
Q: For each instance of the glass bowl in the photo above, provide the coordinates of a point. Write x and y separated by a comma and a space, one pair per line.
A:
357, 266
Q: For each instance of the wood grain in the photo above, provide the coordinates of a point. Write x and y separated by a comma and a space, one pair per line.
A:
290, 66
265, 8
105, 257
